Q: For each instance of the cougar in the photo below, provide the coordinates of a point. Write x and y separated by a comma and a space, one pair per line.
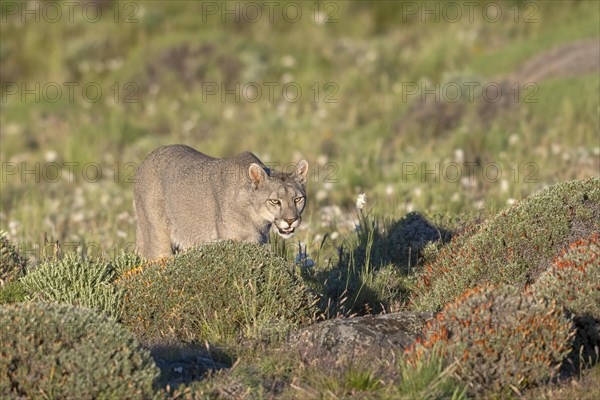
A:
183, 198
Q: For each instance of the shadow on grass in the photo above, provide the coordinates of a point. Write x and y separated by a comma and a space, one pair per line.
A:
585, 351
184, 363
371, 274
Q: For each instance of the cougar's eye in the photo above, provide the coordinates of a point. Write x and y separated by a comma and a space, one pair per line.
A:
274, 201
298, 199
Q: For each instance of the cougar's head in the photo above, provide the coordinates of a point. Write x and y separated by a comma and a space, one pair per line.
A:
280, 197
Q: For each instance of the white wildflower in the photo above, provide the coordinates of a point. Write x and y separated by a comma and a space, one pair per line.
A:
459, 155
12, 129
12, 228
371, 55
188, 125
123, 216
77, 217
51, 156
555, 148
468, 181
288, 61
114, 63
361, 201
228, 113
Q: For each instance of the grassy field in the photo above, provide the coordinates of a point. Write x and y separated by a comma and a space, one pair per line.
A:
164, 69
454, 112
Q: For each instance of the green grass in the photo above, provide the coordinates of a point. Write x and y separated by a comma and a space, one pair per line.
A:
267, 372
363, 143
170, 108
430, 378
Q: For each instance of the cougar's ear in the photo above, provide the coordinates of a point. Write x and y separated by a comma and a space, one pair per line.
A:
302, 171
257, 175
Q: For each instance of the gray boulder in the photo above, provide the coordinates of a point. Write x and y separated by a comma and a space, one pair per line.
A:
365, 339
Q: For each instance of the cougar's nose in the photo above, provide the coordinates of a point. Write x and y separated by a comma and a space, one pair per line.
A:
290, 221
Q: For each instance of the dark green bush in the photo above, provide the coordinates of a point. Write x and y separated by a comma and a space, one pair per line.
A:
500, 339
216, 293
76, 280
58, 351
515, 246
12, 264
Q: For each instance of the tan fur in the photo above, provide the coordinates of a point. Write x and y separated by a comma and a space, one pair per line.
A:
184, 198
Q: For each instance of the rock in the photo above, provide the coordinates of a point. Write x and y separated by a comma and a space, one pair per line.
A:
369, 338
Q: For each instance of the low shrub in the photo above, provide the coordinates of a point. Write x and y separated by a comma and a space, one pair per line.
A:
12, 292
126, 262
58, 351
573, 282
500, 339
12, 264
78, 281
217, 293
574, 278
515, 246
